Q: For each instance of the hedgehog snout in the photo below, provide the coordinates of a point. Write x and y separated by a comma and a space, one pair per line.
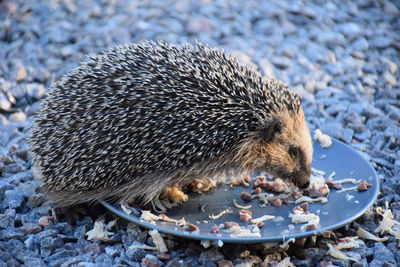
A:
302, 179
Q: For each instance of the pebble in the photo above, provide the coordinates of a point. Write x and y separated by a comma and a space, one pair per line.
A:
4, 102
30, 228
112, 251
150, 261
361, 44
44, 220
390, 78
212, 254
136, 254
13, 199
281, 62
382, 256
7, 218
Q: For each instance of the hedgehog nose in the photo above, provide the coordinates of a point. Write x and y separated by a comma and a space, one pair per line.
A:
305, 185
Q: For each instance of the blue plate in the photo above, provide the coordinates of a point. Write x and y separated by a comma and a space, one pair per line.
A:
339, 211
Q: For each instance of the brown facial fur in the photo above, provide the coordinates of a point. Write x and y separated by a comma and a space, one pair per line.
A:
276, 154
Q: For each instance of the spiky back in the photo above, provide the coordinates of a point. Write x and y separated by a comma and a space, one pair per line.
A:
146, 108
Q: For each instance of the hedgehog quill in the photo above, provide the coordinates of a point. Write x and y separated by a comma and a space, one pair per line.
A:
140, 118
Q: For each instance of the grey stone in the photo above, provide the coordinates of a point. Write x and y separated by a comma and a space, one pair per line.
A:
4, 102
7, 218
390, 78
13, 168
211, 255
51, 243
34, 262
372, 112
331, 38
361, 263
267, 69
32, 243
351, 30
4, 186
80, 231
10, 233
6, 159
35, 90
334, 69
87, 264
17, 117
136, 254
336, 130
361, 44
13, 199
381, 42
281, 62
382, 255
113, 251
389, 65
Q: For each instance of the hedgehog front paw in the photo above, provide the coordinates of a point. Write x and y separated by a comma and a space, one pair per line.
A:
169, 198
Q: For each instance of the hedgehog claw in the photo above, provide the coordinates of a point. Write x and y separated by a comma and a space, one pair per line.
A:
158, 206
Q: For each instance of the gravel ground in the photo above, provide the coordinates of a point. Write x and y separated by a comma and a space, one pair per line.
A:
342, 57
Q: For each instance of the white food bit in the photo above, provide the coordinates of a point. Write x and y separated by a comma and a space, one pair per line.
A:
243, 181
251, 231
126, 209
387, 223
349, 242
284, 263
100, 231
278, 219
158, 241
285, 232
141, 246
246, 234
356, 201
266, 197
323, 139
318, 172
263, 197
222, 213
317, 180
262, 218
220, 243
284, 244
147, 216
331, 175
323, 200
346, 180
301, 217
323, 156
291, 226
347, 189
205, 243
202, 208
324, 213
181, 222
336, 253
367, 235
240, 206
349, 197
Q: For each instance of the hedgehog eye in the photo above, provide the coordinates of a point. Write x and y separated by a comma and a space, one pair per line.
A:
293, 151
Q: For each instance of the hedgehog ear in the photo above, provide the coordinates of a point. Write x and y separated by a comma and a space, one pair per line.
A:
268, 132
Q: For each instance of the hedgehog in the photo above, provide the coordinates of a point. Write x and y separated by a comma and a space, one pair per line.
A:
139, 118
